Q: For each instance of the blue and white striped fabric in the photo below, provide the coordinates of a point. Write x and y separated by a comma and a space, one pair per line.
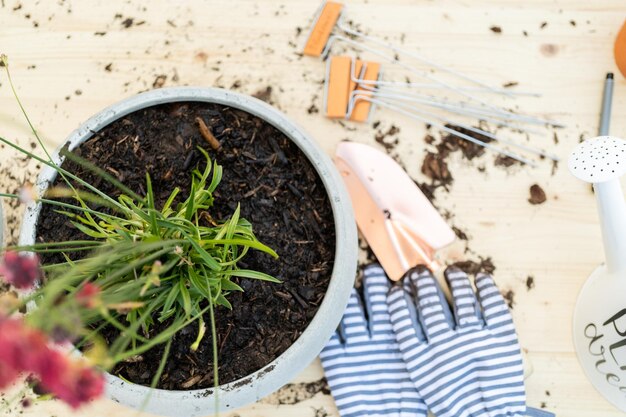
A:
362, 362
464, 363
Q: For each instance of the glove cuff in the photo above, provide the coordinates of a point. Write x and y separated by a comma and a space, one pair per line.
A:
536, 412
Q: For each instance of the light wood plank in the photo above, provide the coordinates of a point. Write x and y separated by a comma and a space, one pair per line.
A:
249, 41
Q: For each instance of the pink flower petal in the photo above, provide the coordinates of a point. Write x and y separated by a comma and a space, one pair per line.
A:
20, 270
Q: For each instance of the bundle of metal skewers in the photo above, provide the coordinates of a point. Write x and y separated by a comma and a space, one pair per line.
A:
354, 87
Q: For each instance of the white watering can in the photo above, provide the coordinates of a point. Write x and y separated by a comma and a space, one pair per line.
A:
600, 314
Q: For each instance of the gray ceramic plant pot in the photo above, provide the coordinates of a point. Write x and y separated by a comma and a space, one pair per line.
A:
279, 372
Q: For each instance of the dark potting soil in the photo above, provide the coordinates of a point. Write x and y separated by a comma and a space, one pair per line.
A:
280, 194
537, 195
435, 163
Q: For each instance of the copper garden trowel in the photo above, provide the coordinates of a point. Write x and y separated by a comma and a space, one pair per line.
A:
395, 217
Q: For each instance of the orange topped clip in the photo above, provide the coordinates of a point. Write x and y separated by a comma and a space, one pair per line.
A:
342, 86
361, 109
325, 21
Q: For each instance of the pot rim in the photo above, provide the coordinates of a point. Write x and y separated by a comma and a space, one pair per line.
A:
304, 350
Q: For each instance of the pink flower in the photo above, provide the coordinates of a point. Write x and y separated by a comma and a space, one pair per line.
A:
87, 296
8, 374
26, 350
18, 351
89, 385
20, 348
20, 270
27, 194
70, 381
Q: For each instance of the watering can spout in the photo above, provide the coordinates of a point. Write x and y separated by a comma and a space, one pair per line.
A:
612, 211
602, 161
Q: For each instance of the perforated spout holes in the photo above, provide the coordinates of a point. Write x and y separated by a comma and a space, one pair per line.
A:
599, 159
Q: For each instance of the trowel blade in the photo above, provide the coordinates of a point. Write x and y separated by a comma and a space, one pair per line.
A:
380, 189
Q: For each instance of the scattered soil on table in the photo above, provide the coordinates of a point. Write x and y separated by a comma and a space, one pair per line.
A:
537, 195
460, 233
436, 168
496, 29
530, 282
510, 84
549, 49
280, 194
159, 81
381, 136
435, 163
264, 94
472, 267
509, 297
296, 393
505, 161
129, 22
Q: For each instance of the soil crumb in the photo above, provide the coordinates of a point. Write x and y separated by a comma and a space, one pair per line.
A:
496, 29
506, 161
537, 195
382, 135
460, 233
295, 393
264, 94
530, 282
549, 49
435, 163
436, 168
509, 297
472, 267
159, 81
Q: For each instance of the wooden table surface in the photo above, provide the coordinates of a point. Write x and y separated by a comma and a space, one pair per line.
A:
70, 59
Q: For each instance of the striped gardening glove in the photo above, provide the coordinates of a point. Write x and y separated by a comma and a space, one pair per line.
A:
463, 364
362, 361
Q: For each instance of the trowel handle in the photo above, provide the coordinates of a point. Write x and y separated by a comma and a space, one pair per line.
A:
612, 212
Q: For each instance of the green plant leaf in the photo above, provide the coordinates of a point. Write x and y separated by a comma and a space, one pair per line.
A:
186, 298
246, 273
199, 283
169, 302
222, 301
170, 200
89, 232
254, 244
206, 257
228, 285
189, 212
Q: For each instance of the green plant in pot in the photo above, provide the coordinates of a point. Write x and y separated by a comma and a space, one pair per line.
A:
157, 267
139, 266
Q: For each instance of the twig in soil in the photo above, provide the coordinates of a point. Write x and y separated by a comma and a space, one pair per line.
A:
191, 381
230, 327
298, 299
207, 135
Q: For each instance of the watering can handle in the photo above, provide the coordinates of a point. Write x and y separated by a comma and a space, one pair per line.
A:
612, 212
